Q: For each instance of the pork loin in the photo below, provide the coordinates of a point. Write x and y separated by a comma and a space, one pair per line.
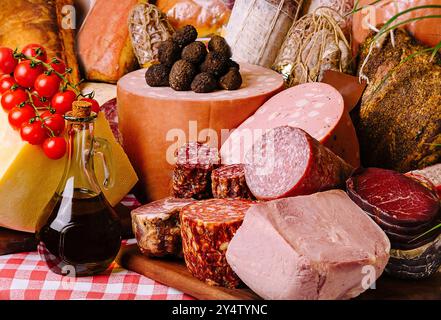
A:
320, 246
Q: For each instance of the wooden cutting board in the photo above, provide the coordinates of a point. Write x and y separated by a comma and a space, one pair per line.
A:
173, 273
14, 241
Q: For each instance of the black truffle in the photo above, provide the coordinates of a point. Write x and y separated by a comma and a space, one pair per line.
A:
220, 45
215, 63
232, 80
185, 36
195, 52
157, 75
168, 52
233, 64
181, 75
203, 83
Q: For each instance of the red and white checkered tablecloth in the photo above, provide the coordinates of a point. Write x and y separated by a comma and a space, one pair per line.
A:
24, 276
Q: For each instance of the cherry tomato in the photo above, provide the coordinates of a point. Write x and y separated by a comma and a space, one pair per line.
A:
55, 122
13, 98
62, 101
26, 73
19, 115
95, 105
7, 60
6, 82
58, 65
34, 132
54, 147
47, 85
31, 51
39, 102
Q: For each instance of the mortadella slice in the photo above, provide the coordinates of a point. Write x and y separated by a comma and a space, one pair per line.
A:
287, 162
317, 108
320, 246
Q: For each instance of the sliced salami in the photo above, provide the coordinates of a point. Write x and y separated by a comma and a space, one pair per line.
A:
317, 108
229, 182
207, 228
111, 113
157, 227
287, 161
192, 173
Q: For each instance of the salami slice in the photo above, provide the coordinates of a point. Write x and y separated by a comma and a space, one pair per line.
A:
111, 113
429, 175
287, 161
157, 227
229, 182
317, 108
192, 173
207, 228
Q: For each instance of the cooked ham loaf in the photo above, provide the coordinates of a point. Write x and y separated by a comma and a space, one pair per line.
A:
399, 118
104, 45
38, 21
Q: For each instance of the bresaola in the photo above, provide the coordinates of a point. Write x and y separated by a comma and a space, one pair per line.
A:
392, 198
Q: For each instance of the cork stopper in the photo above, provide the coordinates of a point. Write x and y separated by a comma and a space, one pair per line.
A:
81, 109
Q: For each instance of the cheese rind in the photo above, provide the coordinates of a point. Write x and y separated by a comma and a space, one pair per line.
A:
28, 179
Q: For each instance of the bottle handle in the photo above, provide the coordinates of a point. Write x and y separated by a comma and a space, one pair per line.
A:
104, 149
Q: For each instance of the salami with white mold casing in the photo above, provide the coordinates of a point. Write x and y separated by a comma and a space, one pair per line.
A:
317, 108
157, 228
229, 182
431, 175
287, 162
207, 228
192, 173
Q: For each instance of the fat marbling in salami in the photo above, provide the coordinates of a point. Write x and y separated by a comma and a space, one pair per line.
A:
207, 228
229, 182
192, 173
287, 161
317, 108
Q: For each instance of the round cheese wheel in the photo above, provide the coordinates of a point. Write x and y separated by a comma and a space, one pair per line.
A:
154, 122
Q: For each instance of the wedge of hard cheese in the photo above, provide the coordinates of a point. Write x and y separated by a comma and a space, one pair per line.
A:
28, 179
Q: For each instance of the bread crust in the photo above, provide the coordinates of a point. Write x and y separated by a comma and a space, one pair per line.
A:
38, 21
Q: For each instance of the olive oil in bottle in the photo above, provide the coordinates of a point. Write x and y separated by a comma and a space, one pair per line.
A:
80, 233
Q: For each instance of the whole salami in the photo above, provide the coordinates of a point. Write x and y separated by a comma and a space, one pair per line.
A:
192, 173
287, 161
207, 228
229, 182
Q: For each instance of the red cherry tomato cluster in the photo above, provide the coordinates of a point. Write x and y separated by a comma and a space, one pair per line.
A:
36, 94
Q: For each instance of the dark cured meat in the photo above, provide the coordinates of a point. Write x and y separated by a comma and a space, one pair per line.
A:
393, 197
288, 162
192, 173
399, 123
157, 227
229, 182
418, 263
207, 228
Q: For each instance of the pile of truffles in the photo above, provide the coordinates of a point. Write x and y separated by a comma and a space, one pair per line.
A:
186, 65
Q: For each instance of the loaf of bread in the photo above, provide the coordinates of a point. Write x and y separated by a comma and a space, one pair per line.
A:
208, 16
104, 47
40, 21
